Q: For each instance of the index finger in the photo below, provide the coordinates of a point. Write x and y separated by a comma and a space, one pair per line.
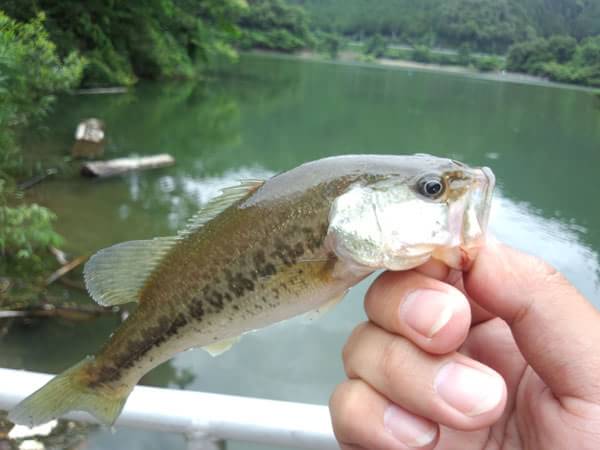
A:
555, 327
433, 315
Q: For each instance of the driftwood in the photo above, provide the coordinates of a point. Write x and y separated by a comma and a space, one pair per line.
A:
37, 179
65, 269
122, 165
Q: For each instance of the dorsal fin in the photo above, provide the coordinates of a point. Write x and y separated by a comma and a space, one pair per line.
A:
217, 205
116, 274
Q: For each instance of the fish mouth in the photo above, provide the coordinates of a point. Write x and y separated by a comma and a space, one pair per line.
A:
476, 216
488, 180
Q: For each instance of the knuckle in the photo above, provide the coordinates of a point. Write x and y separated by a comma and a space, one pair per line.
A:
347, 408
389, 361
350, 346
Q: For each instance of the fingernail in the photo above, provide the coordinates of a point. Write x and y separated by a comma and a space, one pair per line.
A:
470, 391
427, 311
410, 430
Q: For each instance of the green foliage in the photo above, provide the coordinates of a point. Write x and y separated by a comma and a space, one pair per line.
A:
376, 46
143, 38
562, 47
490, 25
31, 72
529, 56
486, 25
588, 54
25, 232
329, 43
487, 63
422, 54
464, 55
558, 58
274, 25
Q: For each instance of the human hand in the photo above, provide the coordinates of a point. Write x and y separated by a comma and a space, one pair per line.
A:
513, 364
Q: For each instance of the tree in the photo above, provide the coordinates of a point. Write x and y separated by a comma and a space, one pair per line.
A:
529, 56
139, 38
562, 47
274, 25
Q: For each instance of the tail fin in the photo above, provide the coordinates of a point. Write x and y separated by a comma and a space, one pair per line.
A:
68, 392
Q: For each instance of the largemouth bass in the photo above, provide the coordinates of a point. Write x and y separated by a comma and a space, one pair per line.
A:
262, 252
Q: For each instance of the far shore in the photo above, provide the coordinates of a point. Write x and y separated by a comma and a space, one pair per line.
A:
351, 57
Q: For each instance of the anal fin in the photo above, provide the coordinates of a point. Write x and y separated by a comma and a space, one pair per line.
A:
221, 347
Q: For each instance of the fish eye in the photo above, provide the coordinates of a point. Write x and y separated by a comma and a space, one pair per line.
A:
431, 186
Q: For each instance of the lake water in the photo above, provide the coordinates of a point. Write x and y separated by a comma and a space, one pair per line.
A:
268, 114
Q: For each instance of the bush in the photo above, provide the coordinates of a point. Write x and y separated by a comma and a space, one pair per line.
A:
559, 59
329, 43
25, 232
464, 55
422, 54
588, 53
376, 46
562, 48
529, 56
487, 63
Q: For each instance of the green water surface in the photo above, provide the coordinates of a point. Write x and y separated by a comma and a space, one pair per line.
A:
268, 114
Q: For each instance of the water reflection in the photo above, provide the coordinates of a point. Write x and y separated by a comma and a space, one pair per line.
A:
559, 242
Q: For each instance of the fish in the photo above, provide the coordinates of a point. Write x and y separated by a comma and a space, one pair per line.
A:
264, 251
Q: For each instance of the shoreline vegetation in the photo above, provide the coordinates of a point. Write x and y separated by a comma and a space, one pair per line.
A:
352, 57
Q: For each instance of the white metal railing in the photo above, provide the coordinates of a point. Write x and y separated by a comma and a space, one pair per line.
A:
203, 418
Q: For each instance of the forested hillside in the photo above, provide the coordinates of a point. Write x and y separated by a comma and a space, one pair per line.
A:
123, 41
488, 25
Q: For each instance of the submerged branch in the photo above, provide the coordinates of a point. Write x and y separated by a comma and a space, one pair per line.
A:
62, 312
66, 269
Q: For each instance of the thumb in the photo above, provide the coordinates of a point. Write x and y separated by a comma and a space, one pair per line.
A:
555, 327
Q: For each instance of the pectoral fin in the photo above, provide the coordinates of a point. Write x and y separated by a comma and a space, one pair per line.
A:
116, 274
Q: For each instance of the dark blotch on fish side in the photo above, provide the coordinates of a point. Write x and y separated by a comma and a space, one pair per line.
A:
262, 267
267, 270
287, 254
105, 374
259, 258
215, 298
196, 309
314, 238
238, 284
